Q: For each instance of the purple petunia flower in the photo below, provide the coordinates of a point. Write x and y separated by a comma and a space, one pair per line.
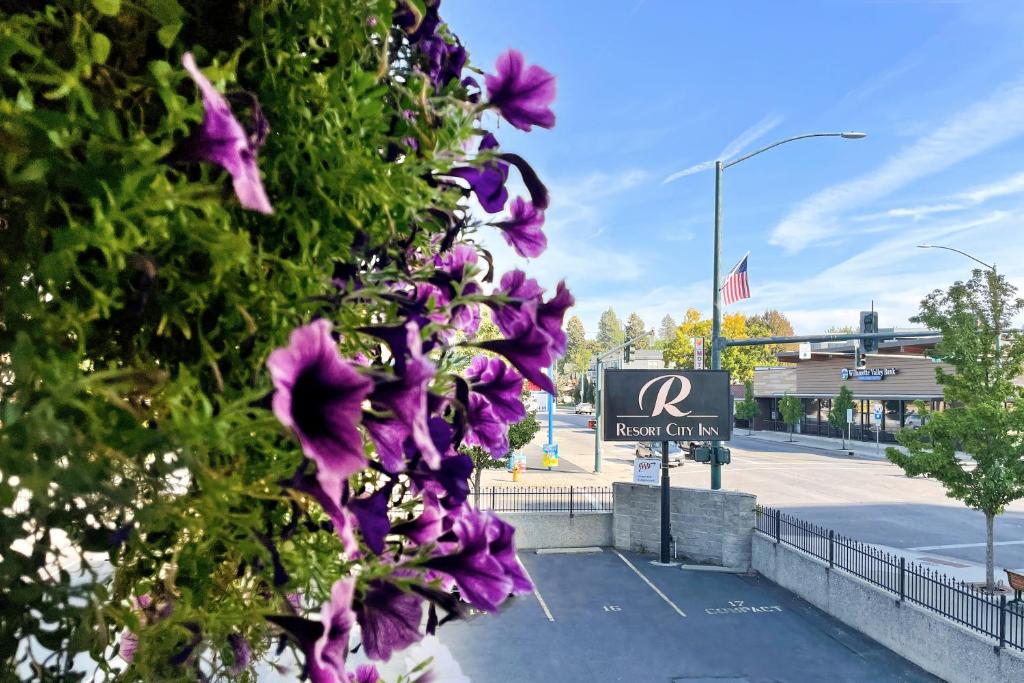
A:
340, 517
241, 651
320, 397
487, 182
406, 396
223, 141
372, 514
522, 230
550, 315
128, 645
482, 567
427, 526
458, 262
327, 663
389, 618
529, 351
500, 385
485, 429
522, 95
365, 673
443, 60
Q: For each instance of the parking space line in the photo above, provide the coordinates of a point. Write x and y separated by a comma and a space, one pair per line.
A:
536, 593
648, 582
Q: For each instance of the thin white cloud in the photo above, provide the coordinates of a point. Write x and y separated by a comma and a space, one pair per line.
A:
970, 132
957, 202
748, 136
732, 149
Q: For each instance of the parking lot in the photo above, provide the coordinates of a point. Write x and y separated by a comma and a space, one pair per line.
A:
613, 616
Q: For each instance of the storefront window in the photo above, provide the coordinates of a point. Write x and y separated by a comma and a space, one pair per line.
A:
811, 409
893, 411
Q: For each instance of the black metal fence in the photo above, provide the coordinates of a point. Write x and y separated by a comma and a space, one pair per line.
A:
935, 591
571, 499
824, 428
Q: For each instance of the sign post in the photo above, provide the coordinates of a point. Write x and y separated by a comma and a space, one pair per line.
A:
667, 405
878, 428
849, 425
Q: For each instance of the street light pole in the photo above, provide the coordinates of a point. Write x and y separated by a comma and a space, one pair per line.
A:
995, 276
716, 310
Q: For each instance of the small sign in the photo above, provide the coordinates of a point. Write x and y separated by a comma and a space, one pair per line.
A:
698, 353
805, 350
646, 471
849, 415
666, 405
550, 454
878, 414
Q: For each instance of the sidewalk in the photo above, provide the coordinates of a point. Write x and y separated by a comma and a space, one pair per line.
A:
861, 449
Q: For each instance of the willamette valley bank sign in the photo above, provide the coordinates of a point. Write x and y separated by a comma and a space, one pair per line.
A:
666, 405
867, 374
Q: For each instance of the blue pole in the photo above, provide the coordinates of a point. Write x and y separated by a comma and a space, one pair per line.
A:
551, 409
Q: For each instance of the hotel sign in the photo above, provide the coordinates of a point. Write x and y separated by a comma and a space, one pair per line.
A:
867, 374
666, 405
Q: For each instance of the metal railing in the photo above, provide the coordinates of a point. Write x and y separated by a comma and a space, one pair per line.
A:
956, 600
571, 499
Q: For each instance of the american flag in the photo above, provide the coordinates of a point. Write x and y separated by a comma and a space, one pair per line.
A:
736, 286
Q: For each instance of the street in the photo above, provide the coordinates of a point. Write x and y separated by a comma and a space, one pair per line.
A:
867, 499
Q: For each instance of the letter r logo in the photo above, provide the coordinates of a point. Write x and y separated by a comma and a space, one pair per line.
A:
661, 399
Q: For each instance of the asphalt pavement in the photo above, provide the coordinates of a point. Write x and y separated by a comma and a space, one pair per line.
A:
864, 498
612, 616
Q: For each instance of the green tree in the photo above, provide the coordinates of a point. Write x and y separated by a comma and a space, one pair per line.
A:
840, 404
666, 331
747, 408
792, 410
679, 353
740, 361
609, 331
984, 414
519, 435
634, 328
840, 329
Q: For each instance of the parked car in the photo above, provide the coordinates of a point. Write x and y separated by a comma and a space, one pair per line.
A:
913, 421
584, 408
652, 449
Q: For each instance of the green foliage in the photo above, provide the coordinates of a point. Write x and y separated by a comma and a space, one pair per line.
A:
609, 331
740, 361
747, 408
840, 404
666, 331
635, 327
984, 414
139, 302
792, 409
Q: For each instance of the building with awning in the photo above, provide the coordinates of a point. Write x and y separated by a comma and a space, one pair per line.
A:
893, 380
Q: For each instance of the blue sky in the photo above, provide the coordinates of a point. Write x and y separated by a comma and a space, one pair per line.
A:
650, 88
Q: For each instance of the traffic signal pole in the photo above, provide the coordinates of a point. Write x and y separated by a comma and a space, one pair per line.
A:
599, 391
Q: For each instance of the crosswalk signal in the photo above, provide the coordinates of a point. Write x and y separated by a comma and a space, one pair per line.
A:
869, 325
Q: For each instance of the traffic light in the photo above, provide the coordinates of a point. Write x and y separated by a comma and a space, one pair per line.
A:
862, 356
625, 355
869, 325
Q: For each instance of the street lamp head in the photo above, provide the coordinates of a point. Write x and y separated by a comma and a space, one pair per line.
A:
852, 135
925, 246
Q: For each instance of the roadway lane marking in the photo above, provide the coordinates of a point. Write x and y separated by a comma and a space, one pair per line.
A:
965, 545
648, 582
536, 593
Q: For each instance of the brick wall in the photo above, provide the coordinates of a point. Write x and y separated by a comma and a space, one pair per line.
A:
710, 527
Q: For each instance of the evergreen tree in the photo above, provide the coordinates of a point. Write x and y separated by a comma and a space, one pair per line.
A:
634, 328
609, 331
667, 330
